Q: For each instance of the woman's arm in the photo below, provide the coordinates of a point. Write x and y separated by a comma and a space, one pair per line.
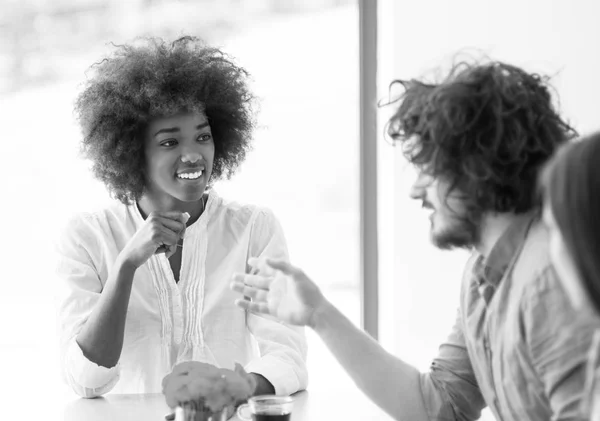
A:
80, 289
101, 337
93, 314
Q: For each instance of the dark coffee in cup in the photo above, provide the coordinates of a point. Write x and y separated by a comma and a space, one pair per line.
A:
272, 416
267, 408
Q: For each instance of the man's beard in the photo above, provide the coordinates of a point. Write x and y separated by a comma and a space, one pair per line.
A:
460, 233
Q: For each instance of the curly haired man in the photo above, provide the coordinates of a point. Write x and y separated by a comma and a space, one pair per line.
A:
478, 139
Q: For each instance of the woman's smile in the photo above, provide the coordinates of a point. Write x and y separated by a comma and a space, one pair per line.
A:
187, 175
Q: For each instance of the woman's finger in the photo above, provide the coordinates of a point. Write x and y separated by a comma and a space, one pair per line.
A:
166, 249
175, 226
170, 251
167, 241
167, 237
183, 217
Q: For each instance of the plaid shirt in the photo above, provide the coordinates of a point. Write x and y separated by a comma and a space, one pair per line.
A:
517, 345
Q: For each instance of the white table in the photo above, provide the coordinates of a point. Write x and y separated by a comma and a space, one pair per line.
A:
152, 407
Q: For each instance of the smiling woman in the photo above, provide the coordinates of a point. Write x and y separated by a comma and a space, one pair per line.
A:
179, 152
145, 280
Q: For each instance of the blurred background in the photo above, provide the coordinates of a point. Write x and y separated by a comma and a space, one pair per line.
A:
304, 59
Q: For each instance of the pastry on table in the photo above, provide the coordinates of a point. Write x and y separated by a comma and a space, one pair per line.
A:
202, 392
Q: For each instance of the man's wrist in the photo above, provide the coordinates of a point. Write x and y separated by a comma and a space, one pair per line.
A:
320, 314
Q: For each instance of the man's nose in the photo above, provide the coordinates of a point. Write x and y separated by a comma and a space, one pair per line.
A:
418, 188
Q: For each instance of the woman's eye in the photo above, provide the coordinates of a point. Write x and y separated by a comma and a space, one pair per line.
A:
168, 142
204, 137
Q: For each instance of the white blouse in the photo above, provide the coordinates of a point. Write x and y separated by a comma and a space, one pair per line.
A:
169, 322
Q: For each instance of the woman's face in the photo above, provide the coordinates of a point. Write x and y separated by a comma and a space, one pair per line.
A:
179, 154
563, 262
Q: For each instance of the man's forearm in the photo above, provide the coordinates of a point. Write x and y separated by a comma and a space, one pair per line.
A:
389, 382
101, 338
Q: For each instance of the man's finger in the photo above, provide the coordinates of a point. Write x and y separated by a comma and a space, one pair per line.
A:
254, 293
259, 308
255, 281
258, 265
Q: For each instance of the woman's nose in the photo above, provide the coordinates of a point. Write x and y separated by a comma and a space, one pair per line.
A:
191, 156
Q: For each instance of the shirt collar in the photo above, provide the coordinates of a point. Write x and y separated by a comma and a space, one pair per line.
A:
212, 203
491, 269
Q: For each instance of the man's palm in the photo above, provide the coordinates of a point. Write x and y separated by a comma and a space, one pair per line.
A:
292, 297
289, 299
280, 290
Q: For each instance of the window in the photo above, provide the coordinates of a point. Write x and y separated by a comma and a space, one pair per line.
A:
303, 56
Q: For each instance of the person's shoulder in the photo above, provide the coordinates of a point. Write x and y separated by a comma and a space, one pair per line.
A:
241, 212
533, 267
473, 259
540, 291
536, 244
86, 225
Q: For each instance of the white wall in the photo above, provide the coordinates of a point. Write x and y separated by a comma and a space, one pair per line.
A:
420, 284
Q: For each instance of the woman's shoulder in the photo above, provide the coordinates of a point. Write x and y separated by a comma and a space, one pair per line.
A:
241, 212
95, 222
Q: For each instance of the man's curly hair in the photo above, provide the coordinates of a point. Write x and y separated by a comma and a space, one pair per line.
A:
486, 128
152, 78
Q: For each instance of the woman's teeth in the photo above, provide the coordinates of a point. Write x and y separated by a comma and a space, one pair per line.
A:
190, 175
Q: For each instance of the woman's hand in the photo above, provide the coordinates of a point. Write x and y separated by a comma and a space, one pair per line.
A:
160, 234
